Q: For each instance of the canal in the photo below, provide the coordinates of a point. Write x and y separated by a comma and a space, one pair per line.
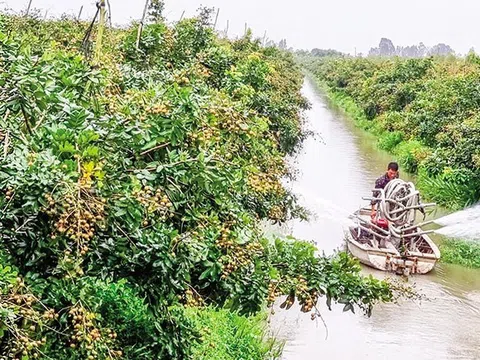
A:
335, 169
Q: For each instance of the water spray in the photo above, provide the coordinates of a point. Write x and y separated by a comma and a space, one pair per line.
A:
463, 224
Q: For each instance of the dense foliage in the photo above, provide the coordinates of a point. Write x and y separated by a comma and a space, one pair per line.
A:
425, 111
133, 188
461, 252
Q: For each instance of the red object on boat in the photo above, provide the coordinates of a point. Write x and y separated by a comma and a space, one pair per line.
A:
383, 223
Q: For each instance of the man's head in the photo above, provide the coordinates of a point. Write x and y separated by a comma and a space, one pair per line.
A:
392, 170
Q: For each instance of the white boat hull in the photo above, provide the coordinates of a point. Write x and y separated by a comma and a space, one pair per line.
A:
390, 259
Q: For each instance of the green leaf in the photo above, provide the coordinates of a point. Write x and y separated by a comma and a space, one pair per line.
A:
205, 274
149, 145
67, 147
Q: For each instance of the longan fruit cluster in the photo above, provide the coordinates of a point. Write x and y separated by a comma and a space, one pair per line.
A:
265, 183
181, 77
273, 292
205, 134
305, 297
235, 125
225, 241
158, 109
204, 71
192, 299
31, 158
116, 102
112, 90
309, 302
72, 265
9, 193
23, 346
239, 256
229, 119
89, 337
155, 202
24, 322
276, 213
77, 216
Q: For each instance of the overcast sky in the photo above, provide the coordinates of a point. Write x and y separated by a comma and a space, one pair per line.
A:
339, 24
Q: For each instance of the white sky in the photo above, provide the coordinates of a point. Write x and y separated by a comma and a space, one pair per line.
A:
339, 24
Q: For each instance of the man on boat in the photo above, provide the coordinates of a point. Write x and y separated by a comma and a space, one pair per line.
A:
382, 181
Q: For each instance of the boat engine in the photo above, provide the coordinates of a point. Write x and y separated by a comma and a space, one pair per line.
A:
382, 223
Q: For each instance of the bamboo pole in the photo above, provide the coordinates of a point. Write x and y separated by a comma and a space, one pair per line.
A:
80, 13
264, 37
226, 30
101, 28
28, 7
245, 34
109, 13
140, 26
181, 16
216, 18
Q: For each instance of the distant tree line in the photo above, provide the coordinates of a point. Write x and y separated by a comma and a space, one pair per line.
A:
321, 53
386, 48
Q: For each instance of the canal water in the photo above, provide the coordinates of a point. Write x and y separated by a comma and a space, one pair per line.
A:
336, 168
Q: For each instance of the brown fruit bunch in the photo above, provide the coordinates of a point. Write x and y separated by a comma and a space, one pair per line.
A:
155, 202
77, 214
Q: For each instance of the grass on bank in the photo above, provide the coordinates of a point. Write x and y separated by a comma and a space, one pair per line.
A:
461, 252
229, 336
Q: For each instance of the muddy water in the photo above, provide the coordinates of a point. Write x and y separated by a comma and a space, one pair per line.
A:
336, 170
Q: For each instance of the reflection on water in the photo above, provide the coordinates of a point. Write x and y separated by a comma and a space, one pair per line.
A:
334, 174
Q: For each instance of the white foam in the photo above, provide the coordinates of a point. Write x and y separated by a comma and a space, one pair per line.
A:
461, 224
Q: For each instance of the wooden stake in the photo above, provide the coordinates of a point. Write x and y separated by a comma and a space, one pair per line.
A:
109, 14
28, 7
216, 18
264, 37
245, 30
101, 28
80, 13
226, 30
140, 26
181, 17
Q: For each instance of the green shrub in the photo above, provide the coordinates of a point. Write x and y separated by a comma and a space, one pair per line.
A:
390, 140
461, 252
411, 154
454, 188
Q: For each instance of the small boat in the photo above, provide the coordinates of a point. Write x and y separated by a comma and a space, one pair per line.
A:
414, 254
392, 240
